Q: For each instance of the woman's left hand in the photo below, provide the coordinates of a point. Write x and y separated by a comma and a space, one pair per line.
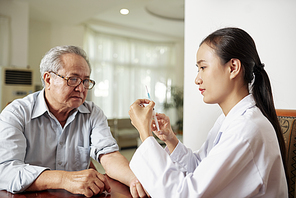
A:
141, 117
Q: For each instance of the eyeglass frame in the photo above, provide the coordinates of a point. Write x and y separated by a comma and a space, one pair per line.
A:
68, 78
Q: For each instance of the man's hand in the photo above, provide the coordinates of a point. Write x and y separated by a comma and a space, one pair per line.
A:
137, 189
87, 182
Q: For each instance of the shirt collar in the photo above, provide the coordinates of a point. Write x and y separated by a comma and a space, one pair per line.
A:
40, 106
239, 109
83, 109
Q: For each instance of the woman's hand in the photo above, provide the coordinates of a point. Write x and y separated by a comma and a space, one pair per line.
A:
166, 133
141, 117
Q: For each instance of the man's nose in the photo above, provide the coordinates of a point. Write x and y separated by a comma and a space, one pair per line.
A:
80, 87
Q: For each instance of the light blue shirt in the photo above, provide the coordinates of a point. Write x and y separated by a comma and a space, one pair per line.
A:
32, 140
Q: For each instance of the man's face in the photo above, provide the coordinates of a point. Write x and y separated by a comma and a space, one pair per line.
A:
59, 95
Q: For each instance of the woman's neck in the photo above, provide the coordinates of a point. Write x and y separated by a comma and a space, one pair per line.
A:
233, 98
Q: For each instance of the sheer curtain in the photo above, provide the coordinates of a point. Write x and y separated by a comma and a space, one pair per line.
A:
4, 40
123, 67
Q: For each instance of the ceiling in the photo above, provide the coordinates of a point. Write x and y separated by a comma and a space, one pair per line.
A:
156, 19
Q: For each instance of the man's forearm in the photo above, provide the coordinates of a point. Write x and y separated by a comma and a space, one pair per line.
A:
48, 179
88, 182
117, 167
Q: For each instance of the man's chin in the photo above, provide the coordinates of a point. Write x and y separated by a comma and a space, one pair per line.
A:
76, 104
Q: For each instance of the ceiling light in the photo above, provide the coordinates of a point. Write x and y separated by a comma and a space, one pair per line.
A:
124, 11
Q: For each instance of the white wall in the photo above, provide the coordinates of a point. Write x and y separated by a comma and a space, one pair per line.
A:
271, 23
39, 44
19, 19
63, 34
44, 35
30, 40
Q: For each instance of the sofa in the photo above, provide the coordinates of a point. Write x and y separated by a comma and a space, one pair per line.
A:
124, 132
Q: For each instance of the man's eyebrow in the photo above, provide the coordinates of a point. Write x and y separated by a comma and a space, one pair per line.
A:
75, 74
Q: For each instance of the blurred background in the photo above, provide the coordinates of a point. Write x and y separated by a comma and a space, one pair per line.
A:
154, 46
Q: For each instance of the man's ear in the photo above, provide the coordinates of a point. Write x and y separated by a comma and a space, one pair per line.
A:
235, 67
46, 78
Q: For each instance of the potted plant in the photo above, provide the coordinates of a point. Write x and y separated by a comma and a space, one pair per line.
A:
176, 102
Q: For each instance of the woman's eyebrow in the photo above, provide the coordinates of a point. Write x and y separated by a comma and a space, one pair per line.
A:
200, 61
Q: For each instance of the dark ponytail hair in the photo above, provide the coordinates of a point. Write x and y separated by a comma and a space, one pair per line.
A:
231, 43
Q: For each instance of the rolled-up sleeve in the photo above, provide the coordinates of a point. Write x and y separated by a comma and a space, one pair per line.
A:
15, 174
102, 141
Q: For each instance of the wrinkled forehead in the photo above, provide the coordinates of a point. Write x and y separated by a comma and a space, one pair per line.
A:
74, 64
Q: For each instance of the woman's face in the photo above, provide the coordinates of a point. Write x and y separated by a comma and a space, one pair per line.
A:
213, 78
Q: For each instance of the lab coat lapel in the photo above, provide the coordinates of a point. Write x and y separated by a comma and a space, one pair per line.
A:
239, 109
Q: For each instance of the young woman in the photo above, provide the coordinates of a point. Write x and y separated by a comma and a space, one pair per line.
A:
244, 151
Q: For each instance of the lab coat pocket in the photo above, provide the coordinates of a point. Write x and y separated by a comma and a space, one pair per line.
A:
82, 157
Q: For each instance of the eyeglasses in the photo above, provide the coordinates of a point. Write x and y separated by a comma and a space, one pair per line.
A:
75, 81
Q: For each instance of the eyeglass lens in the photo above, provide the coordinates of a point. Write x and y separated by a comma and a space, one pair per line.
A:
74, 81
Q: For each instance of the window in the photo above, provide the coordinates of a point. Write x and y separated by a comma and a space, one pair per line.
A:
123, 67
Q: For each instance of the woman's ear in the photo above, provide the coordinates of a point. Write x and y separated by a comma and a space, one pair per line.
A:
235, 67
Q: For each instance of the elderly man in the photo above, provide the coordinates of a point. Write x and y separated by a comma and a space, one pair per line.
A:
48, 137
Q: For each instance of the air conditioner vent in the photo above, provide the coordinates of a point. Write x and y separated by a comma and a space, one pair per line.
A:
13, 77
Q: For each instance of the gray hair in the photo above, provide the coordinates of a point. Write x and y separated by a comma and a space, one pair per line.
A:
52, 59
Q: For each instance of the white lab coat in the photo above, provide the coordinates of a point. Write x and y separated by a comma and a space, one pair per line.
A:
240, 158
